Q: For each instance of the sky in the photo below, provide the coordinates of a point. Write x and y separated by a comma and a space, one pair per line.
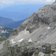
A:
4, 2
16, 6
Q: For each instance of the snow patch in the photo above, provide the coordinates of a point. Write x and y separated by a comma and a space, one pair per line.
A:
30, 40
21, 40
12, 41
48, 28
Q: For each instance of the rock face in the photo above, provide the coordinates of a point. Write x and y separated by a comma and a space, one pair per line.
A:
45, 15
36, 31
41, 26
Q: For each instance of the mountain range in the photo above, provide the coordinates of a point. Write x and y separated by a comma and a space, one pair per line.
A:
38, 31
9, 22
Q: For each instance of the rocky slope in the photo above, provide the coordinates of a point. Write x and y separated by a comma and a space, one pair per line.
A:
40, 25
38, 29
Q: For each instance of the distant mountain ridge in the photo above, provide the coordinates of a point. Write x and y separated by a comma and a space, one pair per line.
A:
15, 24
5, 21
9, 22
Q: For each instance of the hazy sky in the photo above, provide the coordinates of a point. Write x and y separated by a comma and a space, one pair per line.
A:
6, 3
10, 9
9, 2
